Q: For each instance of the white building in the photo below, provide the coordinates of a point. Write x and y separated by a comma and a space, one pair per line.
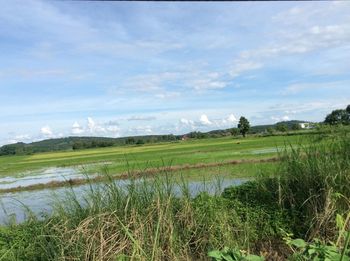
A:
306, 125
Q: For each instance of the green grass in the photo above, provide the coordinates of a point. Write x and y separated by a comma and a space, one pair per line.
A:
307, 193
244, 170
121, 159
148, 220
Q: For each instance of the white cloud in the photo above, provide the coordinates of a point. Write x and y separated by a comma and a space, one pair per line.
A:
231, 118
305, 14
110, 128
91, 124
112, 123
186, 121
20, 138
243, 65
228, 121
113, 131
204, 120
282, 118
141, 118
207, 81
300, 87
140, 130
307, 107
291, 111
122, 49
23, 137
285, 118
46, 131
152, 82
168, 95
275, 119
305, 36
185, 125
94, 128
77, 129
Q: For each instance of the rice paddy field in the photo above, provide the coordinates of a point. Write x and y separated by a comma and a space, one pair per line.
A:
195, 159
27, 178
121, 159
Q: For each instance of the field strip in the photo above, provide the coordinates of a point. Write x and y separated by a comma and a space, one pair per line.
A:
132, 174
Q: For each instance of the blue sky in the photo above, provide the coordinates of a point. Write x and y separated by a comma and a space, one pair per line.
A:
117, 68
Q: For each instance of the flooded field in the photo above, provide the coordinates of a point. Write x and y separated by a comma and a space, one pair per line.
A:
18, 206
43, 176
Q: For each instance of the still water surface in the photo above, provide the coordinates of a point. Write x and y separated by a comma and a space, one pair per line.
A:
16, 205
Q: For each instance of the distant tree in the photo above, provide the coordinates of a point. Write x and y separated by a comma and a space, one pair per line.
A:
243, 126
197, 135
281, 127
270, 130
8, 150
348, 114
234, 131
296, 126
338, 117
130, 140
140, 142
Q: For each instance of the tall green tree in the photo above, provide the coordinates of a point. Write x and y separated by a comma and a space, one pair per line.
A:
282, 127
339, 117
243, 126
296, 126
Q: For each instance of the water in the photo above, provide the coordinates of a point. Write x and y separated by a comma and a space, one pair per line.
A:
42, 176
16, 204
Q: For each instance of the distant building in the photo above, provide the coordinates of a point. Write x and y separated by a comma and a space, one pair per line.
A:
306, 125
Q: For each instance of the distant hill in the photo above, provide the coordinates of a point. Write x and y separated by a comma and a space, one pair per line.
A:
75, 143
262, 128
256, 129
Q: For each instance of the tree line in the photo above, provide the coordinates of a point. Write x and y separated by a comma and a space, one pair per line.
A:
336, 117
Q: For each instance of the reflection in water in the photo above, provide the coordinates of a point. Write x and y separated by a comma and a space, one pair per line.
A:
16, 204
42, 177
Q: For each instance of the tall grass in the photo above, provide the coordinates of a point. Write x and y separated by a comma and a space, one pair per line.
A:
149, 219
314, 182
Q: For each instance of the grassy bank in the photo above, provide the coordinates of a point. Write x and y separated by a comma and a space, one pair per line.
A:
160, 219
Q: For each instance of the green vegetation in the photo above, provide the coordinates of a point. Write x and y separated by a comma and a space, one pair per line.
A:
339, 116
147, 221
243, 126
305, 197
140, 157
232, 255
78, 143
282, 127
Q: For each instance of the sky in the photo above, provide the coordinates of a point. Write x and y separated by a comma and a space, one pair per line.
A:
135, 68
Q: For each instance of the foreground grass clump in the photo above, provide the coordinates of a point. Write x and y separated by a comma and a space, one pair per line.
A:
155, 219
314, 183
311, 188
